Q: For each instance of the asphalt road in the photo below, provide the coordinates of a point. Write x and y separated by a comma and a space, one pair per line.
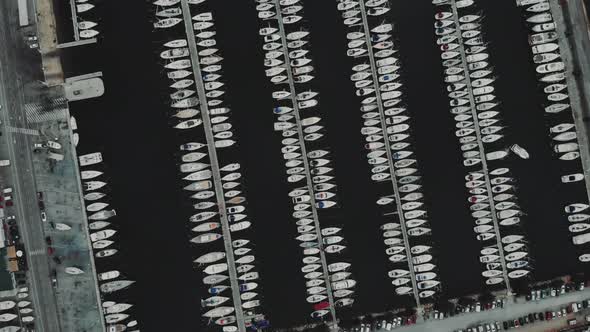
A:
22, 178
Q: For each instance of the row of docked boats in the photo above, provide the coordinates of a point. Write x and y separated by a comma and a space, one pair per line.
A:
215, 220
17, 307
86, 29
376, 78
474, 104
291, 70
551, 74
102, 235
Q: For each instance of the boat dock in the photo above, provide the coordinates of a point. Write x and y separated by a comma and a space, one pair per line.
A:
573, 30
308, 178
216, 173
75, 24
484, 165
390, 162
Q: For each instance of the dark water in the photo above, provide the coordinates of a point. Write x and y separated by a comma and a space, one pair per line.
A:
131, 126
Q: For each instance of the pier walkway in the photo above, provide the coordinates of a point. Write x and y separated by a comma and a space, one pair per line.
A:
390, 162
308, 178
484, 164
217, 183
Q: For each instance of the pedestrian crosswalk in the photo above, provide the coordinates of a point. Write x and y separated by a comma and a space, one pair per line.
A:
26, 131
55, 109
37, 252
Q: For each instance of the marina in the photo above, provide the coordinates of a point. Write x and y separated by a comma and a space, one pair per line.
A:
542, 195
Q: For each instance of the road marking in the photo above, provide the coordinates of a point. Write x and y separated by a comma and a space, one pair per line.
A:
37, 252
26, 131
55, 110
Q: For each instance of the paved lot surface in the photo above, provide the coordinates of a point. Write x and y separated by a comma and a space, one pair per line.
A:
574, 43
72, 302
510, 310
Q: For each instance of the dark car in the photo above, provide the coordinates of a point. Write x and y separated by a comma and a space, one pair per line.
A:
53, 278
531, 317
506, 325
541, 316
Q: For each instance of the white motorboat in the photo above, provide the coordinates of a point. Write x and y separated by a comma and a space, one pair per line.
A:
96, 206
518, 274
176, 43
178, 74
516, 255
118, 308
494, 281
206, 238
108, 275
210, 257
542, 27
169, 12
186, 113
219, 312
540, 18
83, 7
578, 227
6, 305
106, 253
101, 244
86, 175
513, 247
102, 235
178, 64
576, 207
167, 22
427, 284
512, 238
545, 48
